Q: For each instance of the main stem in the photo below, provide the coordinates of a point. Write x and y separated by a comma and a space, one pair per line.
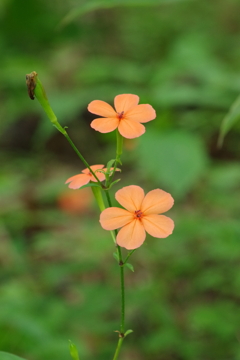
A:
122, 323
122, 291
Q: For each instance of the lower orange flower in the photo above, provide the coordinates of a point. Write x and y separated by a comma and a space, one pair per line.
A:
140, 216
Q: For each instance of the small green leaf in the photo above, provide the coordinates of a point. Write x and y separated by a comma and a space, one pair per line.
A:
7, 356
114, 182
115, 255
129, 266
73, 351
110, 164
229, 120
128, 332
91, 184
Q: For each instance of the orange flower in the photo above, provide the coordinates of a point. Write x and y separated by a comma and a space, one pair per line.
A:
127, 117
140, 217
79, 180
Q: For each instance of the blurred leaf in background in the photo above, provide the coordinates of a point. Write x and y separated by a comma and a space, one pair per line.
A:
58, 281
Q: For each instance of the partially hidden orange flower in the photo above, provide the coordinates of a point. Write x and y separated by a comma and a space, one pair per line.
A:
140, 216
127, 117
79, 180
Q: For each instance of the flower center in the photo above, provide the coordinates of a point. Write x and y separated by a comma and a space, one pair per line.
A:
120, 115
138, 214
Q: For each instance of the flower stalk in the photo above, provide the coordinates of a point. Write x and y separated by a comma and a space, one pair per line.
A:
35, 88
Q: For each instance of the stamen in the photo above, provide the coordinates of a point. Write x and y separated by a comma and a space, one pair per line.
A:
138, 214
120, 115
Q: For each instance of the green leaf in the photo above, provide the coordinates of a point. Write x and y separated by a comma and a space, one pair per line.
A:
91, 184
107, 4
128, 332
7, 356
129, 266
173, 161
73, 351
110, 164
114, 182
115, 255
230, 119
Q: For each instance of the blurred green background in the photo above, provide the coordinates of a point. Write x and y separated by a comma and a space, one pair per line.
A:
59, 280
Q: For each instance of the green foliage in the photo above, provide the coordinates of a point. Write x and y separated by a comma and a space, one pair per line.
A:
73, 351
177, 162
230, 119
92, 5
130, 266
7, 356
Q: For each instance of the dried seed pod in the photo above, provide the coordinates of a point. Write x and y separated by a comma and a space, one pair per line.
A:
31, 84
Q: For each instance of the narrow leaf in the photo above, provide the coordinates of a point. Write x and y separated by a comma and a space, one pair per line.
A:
91, 184
230, 119
7, 356
128, 332
129, 266
115, 255
73, 351
110, 164
107, 4
114, 182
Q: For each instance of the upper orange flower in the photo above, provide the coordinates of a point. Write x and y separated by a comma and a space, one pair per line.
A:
127, 117
79, 180
140, 217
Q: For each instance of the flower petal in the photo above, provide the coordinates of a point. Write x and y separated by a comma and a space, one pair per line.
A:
99, 175
125, 102
113, 218
156, 202
158, 226
132, 235
77, 181
130, 129
93, 167
101, 108
141, 113
105, 125
130, 197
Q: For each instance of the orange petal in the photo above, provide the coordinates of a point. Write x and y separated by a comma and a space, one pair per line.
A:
99, 175
141, 113
125, 102
93, 167
113, 218
130, 197
159, 226
130, 129
101, 108
132, 235
105, 125
77, 181
156, 202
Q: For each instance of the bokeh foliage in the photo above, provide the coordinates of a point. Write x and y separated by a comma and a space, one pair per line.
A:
59, 280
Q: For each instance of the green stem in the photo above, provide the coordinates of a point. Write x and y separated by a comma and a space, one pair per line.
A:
80, 156
122, 291
118, 151
119, 344
97, 192
41, 96
122, 323
118, 155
